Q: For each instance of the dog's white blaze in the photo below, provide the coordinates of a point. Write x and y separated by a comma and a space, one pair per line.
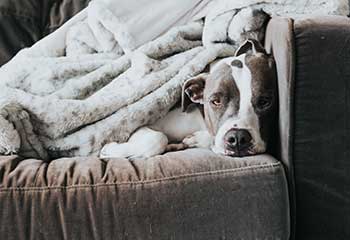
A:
246, 117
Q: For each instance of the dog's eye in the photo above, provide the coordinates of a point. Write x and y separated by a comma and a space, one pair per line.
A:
264, 103
216, 102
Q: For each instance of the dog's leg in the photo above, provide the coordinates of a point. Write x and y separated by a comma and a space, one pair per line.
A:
199, 139
144, 143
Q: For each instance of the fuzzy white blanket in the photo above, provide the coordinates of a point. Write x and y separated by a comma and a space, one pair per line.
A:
119, 65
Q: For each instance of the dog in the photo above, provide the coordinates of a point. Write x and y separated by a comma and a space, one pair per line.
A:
234, 113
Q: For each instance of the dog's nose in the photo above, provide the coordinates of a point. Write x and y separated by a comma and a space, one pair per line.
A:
238, 139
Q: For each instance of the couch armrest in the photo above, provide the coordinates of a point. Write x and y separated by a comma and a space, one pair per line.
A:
279, 41
193, 194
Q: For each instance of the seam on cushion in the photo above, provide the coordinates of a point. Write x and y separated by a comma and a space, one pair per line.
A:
166, 179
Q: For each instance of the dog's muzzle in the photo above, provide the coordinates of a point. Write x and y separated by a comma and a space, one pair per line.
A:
238, 142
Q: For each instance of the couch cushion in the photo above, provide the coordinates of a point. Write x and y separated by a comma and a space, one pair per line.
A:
193, 194
322, 127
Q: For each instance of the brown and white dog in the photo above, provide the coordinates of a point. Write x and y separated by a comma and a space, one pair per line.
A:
238, 100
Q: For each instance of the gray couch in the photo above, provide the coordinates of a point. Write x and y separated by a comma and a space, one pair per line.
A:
300, 190
23, 22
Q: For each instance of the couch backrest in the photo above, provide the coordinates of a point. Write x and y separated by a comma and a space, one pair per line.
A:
24, 22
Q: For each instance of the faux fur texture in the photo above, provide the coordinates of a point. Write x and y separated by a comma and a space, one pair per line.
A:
90, 82
72, 103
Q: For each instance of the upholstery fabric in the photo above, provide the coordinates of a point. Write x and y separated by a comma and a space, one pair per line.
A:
279, 41
322, 128
19, 26
24, 22
193, 194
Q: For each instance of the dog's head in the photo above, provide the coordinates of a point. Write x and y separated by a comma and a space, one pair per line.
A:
239, 98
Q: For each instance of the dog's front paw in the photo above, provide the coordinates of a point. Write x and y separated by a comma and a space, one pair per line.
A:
200, 139
114, 150
144, 143
10, 140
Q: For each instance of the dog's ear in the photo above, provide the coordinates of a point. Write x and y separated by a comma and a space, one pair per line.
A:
192, 90
250, 45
